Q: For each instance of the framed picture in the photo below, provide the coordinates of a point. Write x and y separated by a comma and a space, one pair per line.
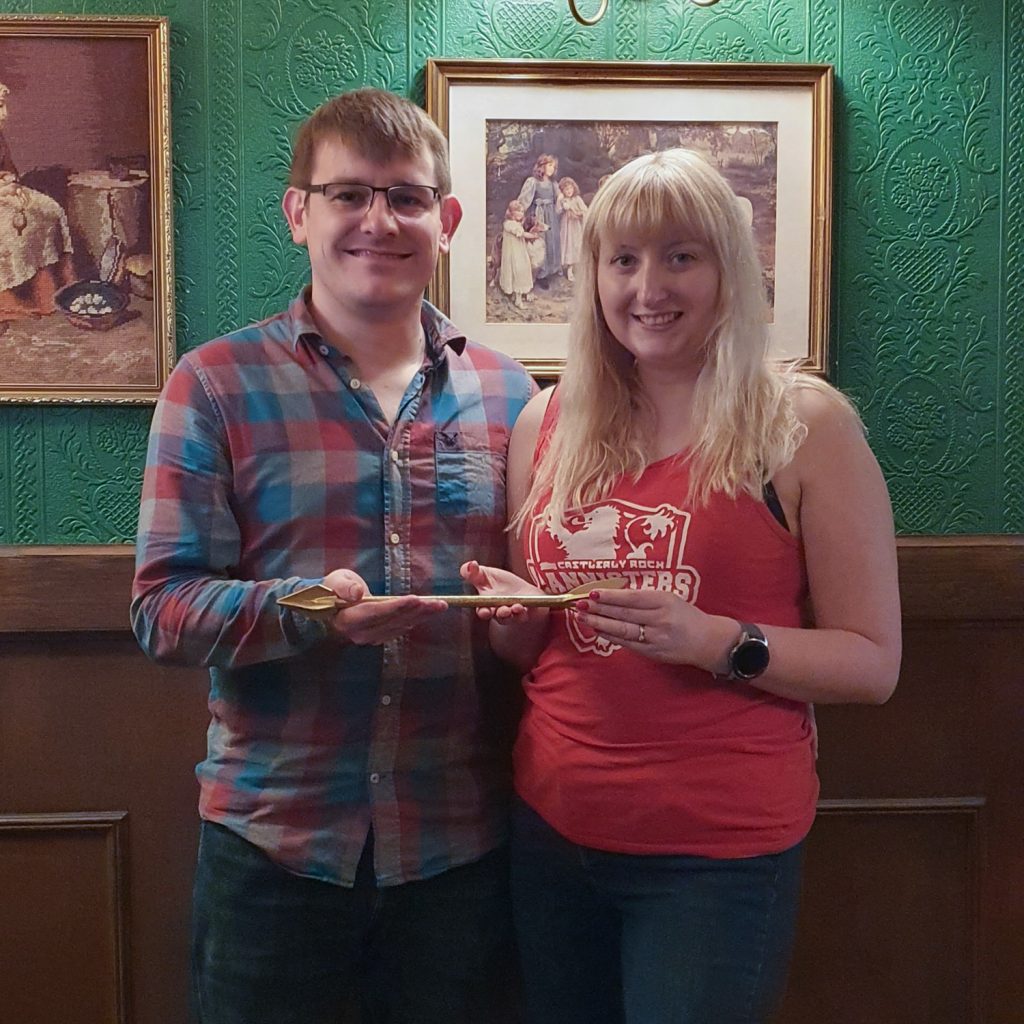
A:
86, 275
543, 135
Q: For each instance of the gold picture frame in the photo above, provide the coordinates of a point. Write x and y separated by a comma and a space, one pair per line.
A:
768, 127
86, 245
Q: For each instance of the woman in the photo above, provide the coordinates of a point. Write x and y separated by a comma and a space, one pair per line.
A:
35, 242
665, 761
539, 196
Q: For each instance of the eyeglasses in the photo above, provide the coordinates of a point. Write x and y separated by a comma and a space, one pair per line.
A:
406, 201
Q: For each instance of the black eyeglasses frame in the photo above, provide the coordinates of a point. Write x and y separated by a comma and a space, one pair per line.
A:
374, 189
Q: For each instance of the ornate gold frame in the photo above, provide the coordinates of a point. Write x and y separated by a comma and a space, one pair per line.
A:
462, 92
155, 32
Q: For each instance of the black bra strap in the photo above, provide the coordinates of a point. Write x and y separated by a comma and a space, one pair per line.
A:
771, 499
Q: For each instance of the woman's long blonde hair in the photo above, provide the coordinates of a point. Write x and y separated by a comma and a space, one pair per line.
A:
746, 427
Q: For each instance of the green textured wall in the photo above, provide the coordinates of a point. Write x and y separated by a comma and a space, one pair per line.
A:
927, 308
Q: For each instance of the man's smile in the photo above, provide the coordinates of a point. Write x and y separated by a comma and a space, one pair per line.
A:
378, 254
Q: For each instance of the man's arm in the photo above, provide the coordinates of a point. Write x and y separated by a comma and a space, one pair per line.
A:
187, 606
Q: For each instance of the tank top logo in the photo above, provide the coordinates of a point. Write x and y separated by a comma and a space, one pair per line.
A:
608, 539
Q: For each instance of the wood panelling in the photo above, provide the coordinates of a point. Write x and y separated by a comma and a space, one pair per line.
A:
75, 590
914, 866
63, 942
892, 891
85, 589
913, 905
89, 725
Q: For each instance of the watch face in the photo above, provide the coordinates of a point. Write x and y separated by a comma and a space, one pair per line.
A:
750, 658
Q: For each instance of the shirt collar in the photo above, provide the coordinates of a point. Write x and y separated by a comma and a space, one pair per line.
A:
438, 330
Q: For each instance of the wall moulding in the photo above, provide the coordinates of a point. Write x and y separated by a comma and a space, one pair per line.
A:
87, 588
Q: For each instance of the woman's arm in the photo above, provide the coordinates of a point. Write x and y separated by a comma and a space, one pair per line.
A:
517, 633
852, 653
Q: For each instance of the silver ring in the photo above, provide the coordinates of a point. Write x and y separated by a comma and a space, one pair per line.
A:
642, 638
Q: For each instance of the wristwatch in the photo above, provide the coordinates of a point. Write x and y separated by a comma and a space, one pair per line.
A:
750, 657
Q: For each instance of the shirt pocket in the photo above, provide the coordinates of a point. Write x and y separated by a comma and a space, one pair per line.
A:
469, 469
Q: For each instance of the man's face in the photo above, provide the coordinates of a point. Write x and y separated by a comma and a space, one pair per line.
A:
371, 266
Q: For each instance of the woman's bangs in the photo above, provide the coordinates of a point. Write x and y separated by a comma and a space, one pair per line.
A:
649, 203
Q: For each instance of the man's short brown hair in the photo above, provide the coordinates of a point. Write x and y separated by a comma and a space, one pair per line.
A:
378, 125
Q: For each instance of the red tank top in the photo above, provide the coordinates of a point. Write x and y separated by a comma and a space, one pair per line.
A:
622, 753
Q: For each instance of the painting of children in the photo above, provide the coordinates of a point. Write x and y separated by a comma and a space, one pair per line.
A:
562, 164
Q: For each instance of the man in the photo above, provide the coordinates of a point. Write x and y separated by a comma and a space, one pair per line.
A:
354, 790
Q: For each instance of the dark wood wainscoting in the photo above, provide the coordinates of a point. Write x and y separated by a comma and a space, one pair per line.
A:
913, 910
98, 830
913, 907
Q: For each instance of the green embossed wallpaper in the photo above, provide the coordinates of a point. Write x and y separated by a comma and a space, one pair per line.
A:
928, 310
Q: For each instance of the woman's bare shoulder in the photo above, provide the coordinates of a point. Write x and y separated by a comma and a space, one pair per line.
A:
823, 410
533, 413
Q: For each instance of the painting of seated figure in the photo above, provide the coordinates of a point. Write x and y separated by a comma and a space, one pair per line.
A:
86, 310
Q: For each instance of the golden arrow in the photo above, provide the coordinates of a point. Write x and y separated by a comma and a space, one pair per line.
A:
320, 602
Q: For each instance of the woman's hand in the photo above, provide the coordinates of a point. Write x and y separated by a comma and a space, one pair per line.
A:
660, 625
499, 583
517, 632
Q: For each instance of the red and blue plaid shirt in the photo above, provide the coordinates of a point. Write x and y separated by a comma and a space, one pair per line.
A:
269, 465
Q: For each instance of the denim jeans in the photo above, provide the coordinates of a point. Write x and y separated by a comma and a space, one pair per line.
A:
272, 947
607, 938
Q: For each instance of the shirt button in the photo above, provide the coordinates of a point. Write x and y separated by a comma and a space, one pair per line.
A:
394, 455
394, 538
385, 700
355, 383
324, 350
375, 777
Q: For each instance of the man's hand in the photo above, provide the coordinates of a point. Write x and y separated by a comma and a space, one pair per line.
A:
380, 621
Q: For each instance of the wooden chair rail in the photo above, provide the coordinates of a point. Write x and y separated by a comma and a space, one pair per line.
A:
86, 589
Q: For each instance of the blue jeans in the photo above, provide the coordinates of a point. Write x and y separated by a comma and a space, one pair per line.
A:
272, 947
607, 938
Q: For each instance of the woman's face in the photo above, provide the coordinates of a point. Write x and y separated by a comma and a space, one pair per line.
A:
548, 168
659, 295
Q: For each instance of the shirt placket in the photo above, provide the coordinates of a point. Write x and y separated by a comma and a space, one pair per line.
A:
396, 486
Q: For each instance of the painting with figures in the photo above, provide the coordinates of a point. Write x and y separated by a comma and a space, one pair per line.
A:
531, 141
542, 176
85, 266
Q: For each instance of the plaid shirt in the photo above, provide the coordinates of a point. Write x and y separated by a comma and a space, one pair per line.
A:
269, 465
